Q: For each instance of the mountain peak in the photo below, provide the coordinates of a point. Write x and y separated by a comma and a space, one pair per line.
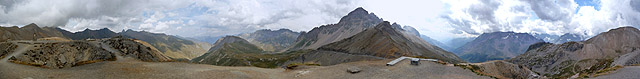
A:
618, 34
359, 14
32, 25
386, 42
358, 11
230, 39
625, 28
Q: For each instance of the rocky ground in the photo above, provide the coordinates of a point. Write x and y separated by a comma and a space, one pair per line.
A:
62, 53
130, 68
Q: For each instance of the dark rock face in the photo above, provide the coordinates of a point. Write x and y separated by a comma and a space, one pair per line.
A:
355, 22
616, 47
380, 42
63, 55
271, 40
496, 46
134, 49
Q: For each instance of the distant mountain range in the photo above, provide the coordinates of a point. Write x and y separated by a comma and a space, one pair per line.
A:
358, 36
172, 46
28, 32
271, 40
496, 46
569, 37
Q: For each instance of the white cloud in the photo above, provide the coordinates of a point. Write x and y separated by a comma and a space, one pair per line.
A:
539, 16
441, 20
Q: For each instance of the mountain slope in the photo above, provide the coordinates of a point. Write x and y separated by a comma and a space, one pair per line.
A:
235, 51
585, 57
27, 32
496, 46
349, 25
271, 40
413, 31
459, 42
436, 43
69, 53
172, 46
380, 42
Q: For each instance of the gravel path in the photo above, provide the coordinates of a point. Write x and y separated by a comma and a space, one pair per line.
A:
20, 50
628, 72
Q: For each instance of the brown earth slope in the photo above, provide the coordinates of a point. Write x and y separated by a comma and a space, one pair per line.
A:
27, 32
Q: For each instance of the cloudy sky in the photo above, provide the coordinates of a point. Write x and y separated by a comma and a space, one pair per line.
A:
439, 19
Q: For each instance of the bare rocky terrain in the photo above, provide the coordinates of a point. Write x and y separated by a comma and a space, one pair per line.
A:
501, 69
604, 52
129, 68
68, 53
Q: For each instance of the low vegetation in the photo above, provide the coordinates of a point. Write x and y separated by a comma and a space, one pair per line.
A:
475, 69
294, 65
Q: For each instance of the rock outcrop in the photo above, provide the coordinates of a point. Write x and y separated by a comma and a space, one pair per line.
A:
6, 48
136, 49
63, 54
